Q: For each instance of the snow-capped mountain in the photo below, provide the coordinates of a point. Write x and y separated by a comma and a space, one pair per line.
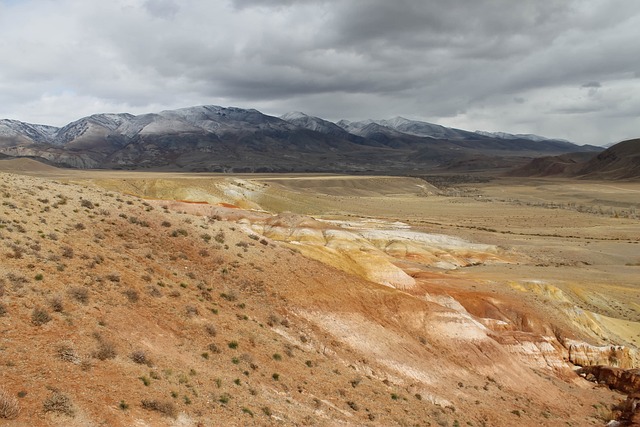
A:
315, 124
529, 136
213, 138
406, 126
26, 131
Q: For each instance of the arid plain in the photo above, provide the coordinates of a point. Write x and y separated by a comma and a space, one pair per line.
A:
444, 300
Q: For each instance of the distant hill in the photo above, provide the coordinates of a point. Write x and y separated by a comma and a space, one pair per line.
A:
618, 162
218, 139
621, 161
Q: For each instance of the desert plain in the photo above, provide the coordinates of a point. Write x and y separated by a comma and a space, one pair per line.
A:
300, 299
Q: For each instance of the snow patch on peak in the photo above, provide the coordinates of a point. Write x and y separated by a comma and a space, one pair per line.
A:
529, 136
395, 122
294, 115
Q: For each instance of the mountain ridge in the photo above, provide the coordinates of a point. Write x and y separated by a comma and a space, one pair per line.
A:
213, 138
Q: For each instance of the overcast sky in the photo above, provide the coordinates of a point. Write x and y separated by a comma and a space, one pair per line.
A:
560, 68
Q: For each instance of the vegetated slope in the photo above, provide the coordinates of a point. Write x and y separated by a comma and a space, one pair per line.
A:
618, 162
114, 312
217, 139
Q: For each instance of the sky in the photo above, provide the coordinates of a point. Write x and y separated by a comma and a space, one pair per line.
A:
560, 68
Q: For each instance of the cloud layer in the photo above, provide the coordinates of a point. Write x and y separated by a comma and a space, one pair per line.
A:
560, 68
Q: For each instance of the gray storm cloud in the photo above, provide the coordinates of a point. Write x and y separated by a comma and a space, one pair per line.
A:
491, 65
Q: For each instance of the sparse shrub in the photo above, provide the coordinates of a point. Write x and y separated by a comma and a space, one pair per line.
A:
146, 381
79, 294
353, 405
132, 295
3, 309
154, 291
267, 411
233, 344
113, 277
59, 403
40, 316
229, 296
276, 356
179, 232
9, 406
224, 399
165, 224
123, 405
86, 204
214, 348
140, 357
219, 237
247, 411
39, 277
67, 353
210, 329
276, 376
67, 252
106, 349
79, 226
164, 407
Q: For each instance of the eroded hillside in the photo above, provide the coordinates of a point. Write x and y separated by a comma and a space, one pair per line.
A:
117, 310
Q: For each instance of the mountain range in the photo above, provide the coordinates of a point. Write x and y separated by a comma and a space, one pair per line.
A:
219, 139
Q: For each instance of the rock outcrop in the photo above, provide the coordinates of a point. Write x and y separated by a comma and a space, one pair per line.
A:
583, 354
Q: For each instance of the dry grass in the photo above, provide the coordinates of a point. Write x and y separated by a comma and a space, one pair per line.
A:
9, 406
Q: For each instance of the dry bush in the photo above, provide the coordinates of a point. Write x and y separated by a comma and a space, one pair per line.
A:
164, 407
67, 252
59, 403
132, 295
211, 329
9, 407
56, 303
140, 356
86, 204
3, 309
80, 294
106, 349
67, 353
40, 316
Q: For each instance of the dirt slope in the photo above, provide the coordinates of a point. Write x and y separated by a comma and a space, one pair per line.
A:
118, 311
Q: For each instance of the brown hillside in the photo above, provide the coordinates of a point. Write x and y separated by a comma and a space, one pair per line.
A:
124, 312
621, 161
